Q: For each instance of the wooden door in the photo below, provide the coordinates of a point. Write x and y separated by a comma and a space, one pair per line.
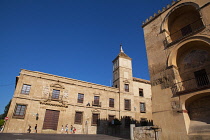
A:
51, 119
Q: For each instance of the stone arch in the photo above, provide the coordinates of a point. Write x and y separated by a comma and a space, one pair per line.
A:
172, 58
180, 22
198, 107
191, 60
164, 24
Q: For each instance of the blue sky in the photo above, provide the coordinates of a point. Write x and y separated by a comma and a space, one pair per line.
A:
71, 38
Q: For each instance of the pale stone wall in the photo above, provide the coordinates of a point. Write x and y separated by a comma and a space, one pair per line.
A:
125, 63
168, 109
145, 99
146, 89
37, 101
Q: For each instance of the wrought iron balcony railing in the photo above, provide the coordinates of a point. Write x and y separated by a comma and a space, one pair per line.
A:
184, 32
96, 103
58, 98
79, 100
195, 84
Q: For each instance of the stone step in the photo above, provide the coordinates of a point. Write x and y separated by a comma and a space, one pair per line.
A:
196, 136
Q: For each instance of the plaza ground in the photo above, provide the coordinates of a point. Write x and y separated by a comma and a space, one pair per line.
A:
32, 136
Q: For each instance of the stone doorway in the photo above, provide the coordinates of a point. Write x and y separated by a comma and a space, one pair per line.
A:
199, 113
51, 119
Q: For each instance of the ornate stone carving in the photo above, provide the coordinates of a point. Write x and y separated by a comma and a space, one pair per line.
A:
164, 78
206, 31
46, 91
175, 105
95, 110
65, 94
57, 85
54, 104
126, 81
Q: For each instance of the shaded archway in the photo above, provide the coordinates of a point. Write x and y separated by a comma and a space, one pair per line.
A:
181, 21
198, 107
191, 60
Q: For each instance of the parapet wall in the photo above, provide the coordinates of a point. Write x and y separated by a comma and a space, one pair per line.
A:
146, 133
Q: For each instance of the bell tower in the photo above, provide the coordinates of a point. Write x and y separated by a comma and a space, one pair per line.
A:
122, 72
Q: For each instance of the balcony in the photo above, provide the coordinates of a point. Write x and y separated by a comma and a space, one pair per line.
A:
53, 97
96, 103
184, 32
192, 85
79, 100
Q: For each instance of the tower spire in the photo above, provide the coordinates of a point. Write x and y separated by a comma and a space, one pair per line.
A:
121, 49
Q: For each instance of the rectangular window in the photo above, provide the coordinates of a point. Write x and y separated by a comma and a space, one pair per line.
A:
127, 87
127, 121
80, 98
111, 102
142, 108
78, 117
19, 111
55, 94
201, 78
25, 89
96, 101
141, 93
95, 119
127, 104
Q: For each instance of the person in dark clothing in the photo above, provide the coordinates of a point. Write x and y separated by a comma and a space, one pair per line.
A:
29, 129
35, 128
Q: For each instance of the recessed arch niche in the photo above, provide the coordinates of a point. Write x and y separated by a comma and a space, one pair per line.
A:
198, 107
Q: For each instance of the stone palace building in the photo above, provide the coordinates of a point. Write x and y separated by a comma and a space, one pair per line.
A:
51, 101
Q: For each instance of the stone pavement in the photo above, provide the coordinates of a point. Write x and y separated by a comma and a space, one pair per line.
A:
32, 136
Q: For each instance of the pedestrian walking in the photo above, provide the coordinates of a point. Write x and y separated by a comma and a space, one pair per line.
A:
74, 130
62, 129
35, 128
1, 128
71, 129
66, 129
29, 129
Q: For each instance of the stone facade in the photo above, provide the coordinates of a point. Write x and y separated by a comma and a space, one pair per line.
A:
144, 133
177, 41
51, 101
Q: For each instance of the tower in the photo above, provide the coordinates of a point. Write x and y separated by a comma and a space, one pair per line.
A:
178, 49
122, 72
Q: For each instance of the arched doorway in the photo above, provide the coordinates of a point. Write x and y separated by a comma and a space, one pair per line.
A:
198, 108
